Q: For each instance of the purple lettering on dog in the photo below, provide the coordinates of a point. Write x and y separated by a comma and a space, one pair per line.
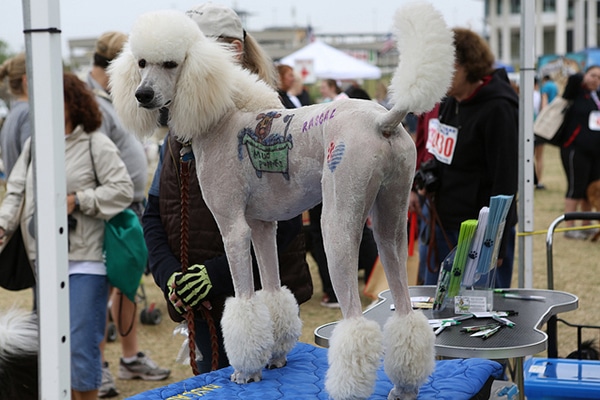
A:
304, 127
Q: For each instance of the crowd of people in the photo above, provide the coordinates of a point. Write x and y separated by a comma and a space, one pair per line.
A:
107, 169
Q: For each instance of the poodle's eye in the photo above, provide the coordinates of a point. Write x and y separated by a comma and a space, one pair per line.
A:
142, 63
170, 64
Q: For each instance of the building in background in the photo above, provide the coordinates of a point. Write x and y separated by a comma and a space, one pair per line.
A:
561, 27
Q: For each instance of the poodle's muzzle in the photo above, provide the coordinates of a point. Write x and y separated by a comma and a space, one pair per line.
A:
147, 98
144, 96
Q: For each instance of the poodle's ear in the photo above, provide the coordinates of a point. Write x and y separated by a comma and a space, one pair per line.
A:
204, 88
124, 79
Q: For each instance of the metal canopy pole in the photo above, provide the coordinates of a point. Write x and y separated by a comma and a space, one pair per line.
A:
41, 19
527, 74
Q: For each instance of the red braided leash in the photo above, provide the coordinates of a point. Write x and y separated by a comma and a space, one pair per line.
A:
184, 244
189, 315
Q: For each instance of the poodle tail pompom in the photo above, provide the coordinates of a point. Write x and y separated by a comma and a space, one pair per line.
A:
426, 66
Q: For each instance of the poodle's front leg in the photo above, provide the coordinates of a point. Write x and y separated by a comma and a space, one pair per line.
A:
285, 314
246, 322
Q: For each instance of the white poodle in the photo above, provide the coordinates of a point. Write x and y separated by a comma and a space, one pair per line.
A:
258, 163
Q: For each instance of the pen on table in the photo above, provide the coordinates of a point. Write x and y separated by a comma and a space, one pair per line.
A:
523, 297
503, 321
508, 295
491, 332
479, 328
444, 325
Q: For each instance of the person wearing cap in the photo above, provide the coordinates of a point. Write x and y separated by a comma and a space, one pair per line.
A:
208, 277
223, 24
133, 364
16, 128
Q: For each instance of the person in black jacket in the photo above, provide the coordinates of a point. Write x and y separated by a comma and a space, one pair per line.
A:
580, 154
476, 156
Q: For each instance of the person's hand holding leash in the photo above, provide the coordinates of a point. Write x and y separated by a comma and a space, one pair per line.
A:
189, 289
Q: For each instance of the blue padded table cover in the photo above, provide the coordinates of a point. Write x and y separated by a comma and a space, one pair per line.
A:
304, 378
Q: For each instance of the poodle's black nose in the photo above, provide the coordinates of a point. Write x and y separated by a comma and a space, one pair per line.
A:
144, 95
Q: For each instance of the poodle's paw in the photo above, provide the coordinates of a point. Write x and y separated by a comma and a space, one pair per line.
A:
277, 362
354, 355
287, 325
246, 377
247, 335
403, 394
409, 353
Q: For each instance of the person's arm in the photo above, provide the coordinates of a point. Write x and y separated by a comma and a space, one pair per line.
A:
114, 192
544, 102
162, 261
15, 191
502, 141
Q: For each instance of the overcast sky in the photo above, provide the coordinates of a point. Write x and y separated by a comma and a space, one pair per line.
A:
89, 18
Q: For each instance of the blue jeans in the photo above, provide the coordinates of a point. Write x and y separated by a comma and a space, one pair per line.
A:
88, 296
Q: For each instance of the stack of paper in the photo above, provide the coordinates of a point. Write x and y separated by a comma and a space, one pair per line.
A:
476, 252
465, 237
499, 206
443, 280
452, 267
469, 276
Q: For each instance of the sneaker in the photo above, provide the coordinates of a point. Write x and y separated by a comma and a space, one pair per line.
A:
590, 233
142, 368
578, 235
108, 387
329, 302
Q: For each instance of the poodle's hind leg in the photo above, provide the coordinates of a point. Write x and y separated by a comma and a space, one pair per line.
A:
408, 339
356, 344
285, 317
409, 354
355, 351
248, 339
287, 325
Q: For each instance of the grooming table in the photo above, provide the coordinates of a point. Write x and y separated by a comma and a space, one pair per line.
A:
523, 340
304, 378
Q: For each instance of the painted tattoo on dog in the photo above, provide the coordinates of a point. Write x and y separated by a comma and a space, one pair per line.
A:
267, 151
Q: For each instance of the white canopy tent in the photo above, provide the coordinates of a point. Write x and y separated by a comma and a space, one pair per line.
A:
328, 62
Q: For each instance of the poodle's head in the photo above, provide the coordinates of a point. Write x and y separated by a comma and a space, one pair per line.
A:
160, 42
169, 63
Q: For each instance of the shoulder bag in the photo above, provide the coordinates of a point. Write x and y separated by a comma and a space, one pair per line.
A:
125, 251
549, 122
16, 271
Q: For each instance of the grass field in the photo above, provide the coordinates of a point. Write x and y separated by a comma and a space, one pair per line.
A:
576, 270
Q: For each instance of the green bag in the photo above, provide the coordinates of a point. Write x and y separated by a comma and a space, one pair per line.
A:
125, 252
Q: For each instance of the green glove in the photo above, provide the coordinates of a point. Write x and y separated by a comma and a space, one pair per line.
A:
191, 287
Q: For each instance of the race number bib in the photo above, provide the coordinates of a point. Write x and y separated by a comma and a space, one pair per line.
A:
594, 121
441, 141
